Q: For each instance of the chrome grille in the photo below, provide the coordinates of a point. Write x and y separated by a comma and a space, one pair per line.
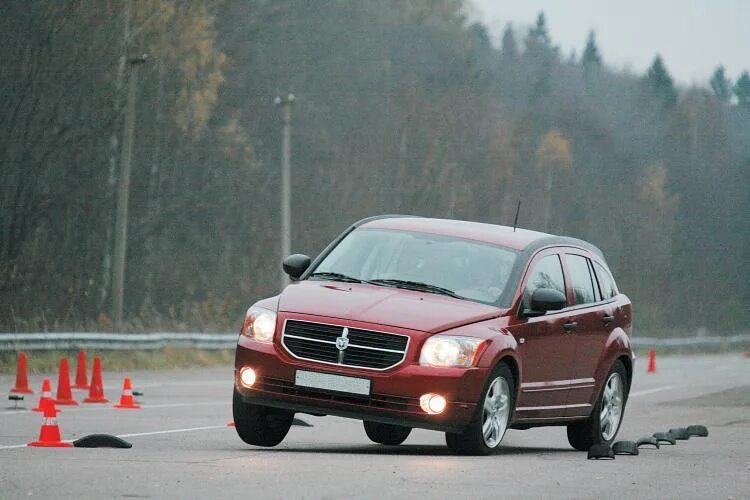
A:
362, 348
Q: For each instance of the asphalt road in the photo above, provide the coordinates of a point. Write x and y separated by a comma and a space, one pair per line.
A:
183, 449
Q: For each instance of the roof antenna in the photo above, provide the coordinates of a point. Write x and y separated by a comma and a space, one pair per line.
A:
515, 221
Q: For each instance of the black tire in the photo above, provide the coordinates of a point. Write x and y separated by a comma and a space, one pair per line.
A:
471, 441
260, 425
583, 435
386, 433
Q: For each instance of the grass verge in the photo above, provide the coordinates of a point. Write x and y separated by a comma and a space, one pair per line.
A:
121, 360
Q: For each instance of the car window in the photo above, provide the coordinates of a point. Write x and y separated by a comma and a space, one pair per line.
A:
546, 273
606, 283
471, 269
580, 279
597, 292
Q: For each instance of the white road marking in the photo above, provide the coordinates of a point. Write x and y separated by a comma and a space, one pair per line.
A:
12, 446
108, 406
172, 431
138, 434
652, 391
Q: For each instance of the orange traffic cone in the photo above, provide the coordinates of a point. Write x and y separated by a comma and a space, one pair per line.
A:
46, 397
82, 381
96, 390
651, 361
126, 399
49, 436
22, 378
64, 394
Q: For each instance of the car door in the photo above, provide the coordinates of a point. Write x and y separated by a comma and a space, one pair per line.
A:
589, 313
543, 344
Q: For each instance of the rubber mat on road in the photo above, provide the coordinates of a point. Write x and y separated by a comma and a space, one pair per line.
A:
648, 440
665, 437
680, 433
601, 451
697, 430
625, 448
101, 441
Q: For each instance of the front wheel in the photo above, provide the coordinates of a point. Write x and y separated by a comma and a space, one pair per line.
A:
386, 433
602, 426
491, 419
260, 425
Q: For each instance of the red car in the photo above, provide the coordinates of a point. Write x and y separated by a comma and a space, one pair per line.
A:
454, 326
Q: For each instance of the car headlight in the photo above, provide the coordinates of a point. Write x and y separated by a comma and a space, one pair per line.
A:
444, 350
260, 324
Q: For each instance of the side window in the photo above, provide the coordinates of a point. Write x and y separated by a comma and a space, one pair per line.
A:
607, 284
546, 273
597, 285
581, 279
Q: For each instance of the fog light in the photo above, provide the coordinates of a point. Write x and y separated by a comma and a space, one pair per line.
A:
432, 403
247, 376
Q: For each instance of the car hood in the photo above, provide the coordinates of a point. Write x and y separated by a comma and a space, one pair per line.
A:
427, 312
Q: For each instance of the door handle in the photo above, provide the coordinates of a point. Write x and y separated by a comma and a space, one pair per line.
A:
608, 319
569, 327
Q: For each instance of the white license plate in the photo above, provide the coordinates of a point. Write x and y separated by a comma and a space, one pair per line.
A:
331, 382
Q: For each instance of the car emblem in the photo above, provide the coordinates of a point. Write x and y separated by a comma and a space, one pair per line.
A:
343, 342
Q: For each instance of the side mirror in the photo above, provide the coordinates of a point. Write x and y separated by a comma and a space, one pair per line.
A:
295, 265
545, 299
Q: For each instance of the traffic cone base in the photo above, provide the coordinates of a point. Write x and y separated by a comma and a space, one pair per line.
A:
22, 378
131, 406
66, 402
126, 399
58, 444
96, 400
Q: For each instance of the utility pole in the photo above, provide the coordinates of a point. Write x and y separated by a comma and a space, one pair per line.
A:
286, 179
123, 193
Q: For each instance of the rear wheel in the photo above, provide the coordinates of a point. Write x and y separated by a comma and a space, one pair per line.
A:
260, 425
486, 430
602, 426
386, 433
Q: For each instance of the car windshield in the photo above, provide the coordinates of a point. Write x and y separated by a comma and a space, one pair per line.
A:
421, 261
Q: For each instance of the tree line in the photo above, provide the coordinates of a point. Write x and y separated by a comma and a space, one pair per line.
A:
401, 107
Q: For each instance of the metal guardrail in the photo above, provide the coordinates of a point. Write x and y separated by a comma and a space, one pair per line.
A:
212, 341
117, 341
702, 341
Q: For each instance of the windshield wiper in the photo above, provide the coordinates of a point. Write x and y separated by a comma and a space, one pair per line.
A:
417, 286
336, 277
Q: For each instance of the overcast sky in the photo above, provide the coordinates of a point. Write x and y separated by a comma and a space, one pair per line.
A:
693, 36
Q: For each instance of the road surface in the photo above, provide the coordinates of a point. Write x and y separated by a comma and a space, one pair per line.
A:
182, 448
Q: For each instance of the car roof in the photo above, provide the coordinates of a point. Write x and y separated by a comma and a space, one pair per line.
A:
506, 236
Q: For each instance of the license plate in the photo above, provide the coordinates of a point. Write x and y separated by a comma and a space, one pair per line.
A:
330, 382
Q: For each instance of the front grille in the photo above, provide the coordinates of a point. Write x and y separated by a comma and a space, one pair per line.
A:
373, 401
366, 348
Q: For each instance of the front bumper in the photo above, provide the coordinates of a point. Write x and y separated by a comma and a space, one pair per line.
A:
394, 396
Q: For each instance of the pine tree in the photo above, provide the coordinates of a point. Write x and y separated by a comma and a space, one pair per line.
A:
509, 48
591, 59
538, 37
721, 85
742, 91
660, 85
